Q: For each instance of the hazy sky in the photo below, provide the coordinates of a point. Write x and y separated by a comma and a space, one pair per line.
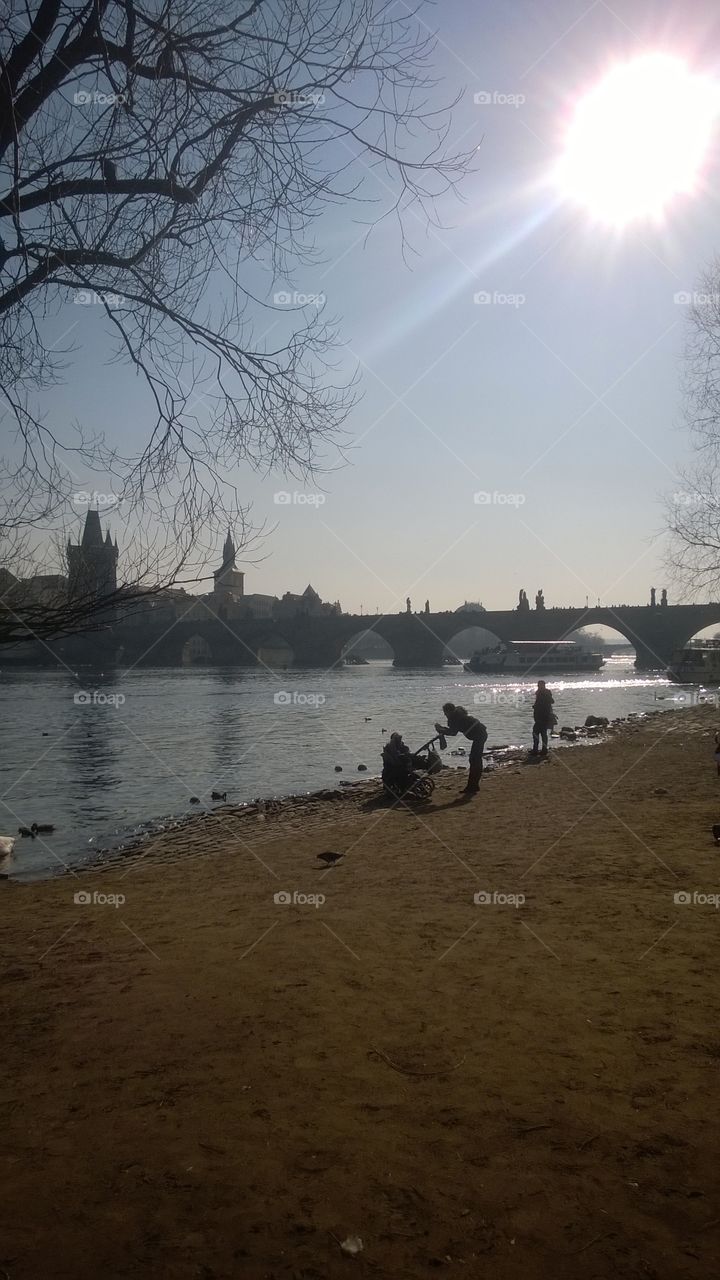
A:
568, 395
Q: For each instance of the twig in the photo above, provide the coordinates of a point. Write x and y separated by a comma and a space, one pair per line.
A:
574, 1252
582, 1146
406, 1071
589, 1243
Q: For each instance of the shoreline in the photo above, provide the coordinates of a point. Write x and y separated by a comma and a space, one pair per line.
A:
497, 758
484, 1043
345, 796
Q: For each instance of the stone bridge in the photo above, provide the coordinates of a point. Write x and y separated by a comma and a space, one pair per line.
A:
417, 640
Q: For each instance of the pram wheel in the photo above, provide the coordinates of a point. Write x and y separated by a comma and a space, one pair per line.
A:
416, 788
424, 788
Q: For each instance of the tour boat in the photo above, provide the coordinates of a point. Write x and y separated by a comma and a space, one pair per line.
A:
697, 663
534, 657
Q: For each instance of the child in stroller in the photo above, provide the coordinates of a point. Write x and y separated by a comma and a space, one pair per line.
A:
406, 775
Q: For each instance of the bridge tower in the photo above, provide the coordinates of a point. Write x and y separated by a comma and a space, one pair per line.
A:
229, 581
92, 563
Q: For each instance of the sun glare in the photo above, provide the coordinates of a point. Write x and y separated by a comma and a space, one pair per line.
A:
638, 139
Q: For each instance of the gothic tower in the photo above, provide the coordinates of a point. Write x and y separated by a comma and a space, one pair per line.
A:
229, 581
92, 563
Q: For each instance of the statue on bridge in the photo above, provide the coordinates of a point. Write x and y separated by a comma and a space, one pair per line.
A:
408, 606
663, 598
523, 602
540, 601
652, 597
427, 606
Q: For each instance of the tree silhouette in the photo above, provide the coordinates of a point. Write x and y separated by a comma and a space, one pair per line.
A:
165, 160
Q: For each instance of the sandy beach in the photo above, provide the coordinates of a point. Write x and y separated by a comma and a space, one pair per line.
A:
202, 1082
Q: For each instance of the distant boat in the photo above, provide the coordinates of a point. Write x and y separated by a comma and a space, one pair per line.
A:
534, 657
697, 663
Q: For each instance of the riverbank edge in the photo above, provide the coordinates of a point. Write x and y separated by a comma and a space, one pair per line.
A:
323, 802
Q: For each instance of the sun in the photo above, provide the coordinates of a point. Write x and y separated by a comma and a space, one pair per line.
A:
638, 139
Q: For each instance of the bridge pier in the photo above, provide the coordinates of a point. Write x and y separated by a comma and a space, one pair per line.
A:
416, 645
647, 659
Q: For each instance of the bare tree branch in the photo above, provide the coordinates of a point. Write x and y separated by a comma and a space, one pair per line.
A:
165, 161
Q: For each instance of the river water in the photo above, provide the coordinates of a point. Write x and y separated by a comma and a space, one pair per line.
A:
100, 756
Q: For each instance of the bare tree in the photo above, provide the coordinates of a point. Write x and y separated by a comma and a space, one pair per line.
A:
693, 509
164, 161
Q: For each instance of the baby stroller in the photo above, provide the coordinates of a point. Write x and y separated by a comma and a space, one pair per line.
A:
407, 775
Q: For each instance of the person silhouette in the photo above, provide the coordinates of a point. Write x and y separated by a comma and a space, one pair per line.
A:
543, 717
460, 721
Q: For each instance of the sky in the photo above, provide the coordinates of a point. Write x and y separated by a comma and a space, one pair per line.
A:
522, 438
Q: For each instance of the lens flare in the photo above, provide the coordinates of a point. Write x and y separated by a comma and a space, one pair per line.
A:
638, 139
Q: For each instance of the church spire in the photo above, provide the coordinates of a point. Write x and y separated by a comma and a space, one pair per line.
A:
229, 552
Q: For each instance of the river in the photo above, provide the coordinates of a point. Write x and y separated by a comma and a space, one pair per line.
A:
102, 755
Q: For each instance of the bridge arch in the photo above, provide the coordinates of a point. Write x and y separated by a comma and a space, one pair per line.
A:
711, 632
196, 651
274, 651
366, 646
599, 638
469, 640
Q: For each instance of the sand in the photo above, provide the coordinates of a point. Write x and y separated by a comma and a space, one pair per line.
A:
200, 1082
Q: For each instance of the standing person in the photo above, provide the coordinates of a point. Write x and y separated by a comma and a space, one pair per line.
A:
543, 717
460, 721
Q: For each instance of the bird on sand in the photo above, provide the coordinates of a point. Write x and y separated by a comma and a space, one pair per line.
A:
330, 858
